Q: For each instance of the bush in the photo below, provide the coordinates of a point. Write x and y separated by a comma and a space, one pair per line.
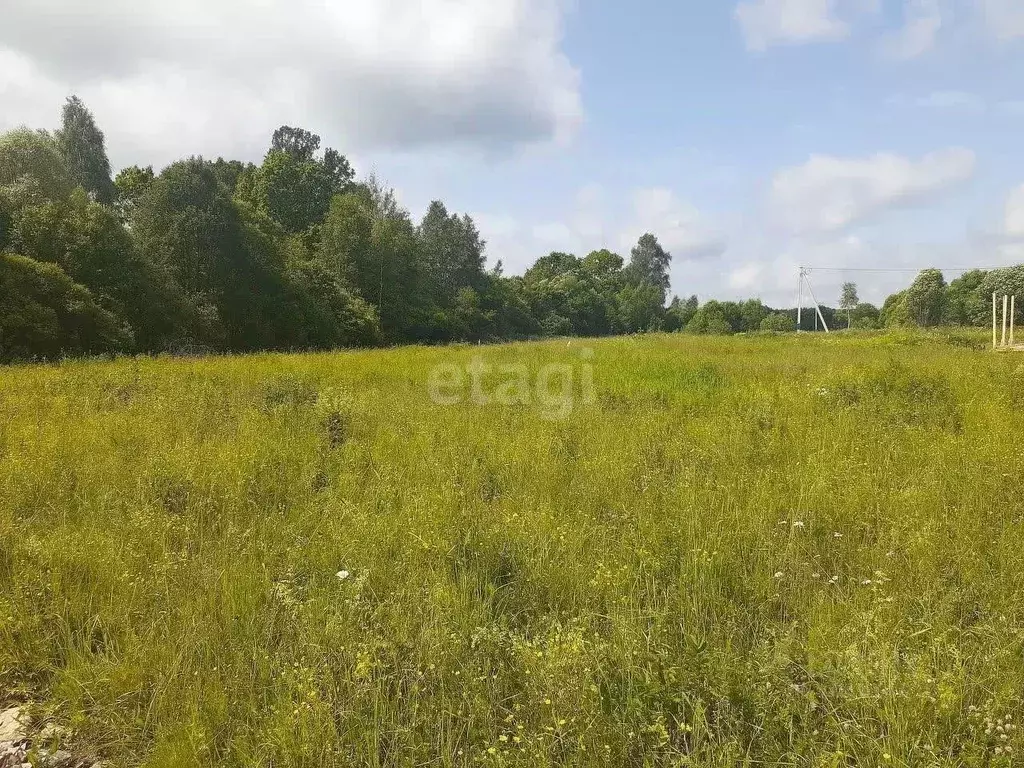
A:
44, 314
778, 323
710, 320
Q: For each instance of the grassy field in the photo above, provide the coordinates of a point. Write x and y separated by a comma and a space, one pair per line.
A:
724, 551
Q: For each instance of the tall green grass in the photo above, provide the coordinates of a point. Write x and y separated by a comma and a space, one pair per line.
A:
748, 551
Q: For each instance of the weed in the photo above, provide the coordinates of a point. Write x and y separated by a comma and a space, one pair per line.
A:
752, 551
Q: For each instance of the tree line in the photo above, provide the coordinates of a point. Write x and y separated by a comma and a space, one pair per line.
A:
296, 253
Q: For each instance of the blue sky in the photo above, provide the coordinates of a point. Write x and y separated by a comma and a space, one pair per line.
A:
749, 136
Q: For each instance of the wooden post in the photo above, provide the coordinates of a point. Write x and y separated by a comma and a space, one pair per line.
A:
800, 302
995, 338
1013, 317
1006, 309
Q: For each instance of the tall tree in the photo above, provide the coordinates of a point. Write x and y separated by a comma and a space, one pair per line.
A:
641, 307
1008, 281
81, 144
390, 276
32, 170
751, 313
849, 300
131, 184
339, 170
965, 304
894, 311
231, 171
649, 265
88, 241
298, 143
452, 253
925, 298
225, 257
293, 186
345, 243
605, 268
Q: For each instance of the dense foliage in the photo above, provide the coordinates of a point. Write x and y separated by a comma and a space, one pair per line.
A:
296, 253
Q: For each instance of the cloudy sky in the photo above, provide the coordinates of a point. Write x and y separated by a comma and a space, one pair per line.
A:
750, 136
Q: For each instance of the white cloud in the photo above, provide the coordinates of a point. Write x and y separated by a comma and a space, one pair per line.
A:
1005, 18
923, 20
679, 226
1014, 221
952, 100
167, 79
828, 194
770, 22
747, 277
765, 23
596, 220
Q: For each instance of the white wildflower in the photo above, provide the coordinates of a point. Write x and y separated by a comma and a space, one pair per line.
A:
342, 575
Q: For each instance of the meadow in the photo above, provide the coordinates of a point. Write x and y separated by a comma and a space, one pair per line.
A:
762, 550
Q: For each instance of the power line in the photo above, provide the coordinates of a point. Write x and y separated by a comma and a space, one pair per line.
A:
901, 269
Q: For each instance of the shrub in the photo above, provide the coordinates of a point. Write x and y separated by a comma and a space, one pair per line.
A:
778, 323
44, 314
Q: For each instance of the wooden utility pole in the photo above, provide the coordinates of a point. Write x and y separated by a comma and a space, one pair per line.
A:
995, 338
1006, 309
1013, 317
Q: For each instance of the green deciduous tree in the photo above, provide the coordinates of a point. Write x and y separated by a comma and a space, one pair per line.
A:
848, 300
925, 298
391, 275
44, 314
331, 315
778, 322
32, 171
345, 245
587, 297
641, 307
89, 243
865, 316
81, 144
451, 252
710, 319
680, 313
649, 265
894, 311
298, 143
223, 256
230, 172
1008, 281
130, 185
751, 313
292, 186
605, 267
294, 193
